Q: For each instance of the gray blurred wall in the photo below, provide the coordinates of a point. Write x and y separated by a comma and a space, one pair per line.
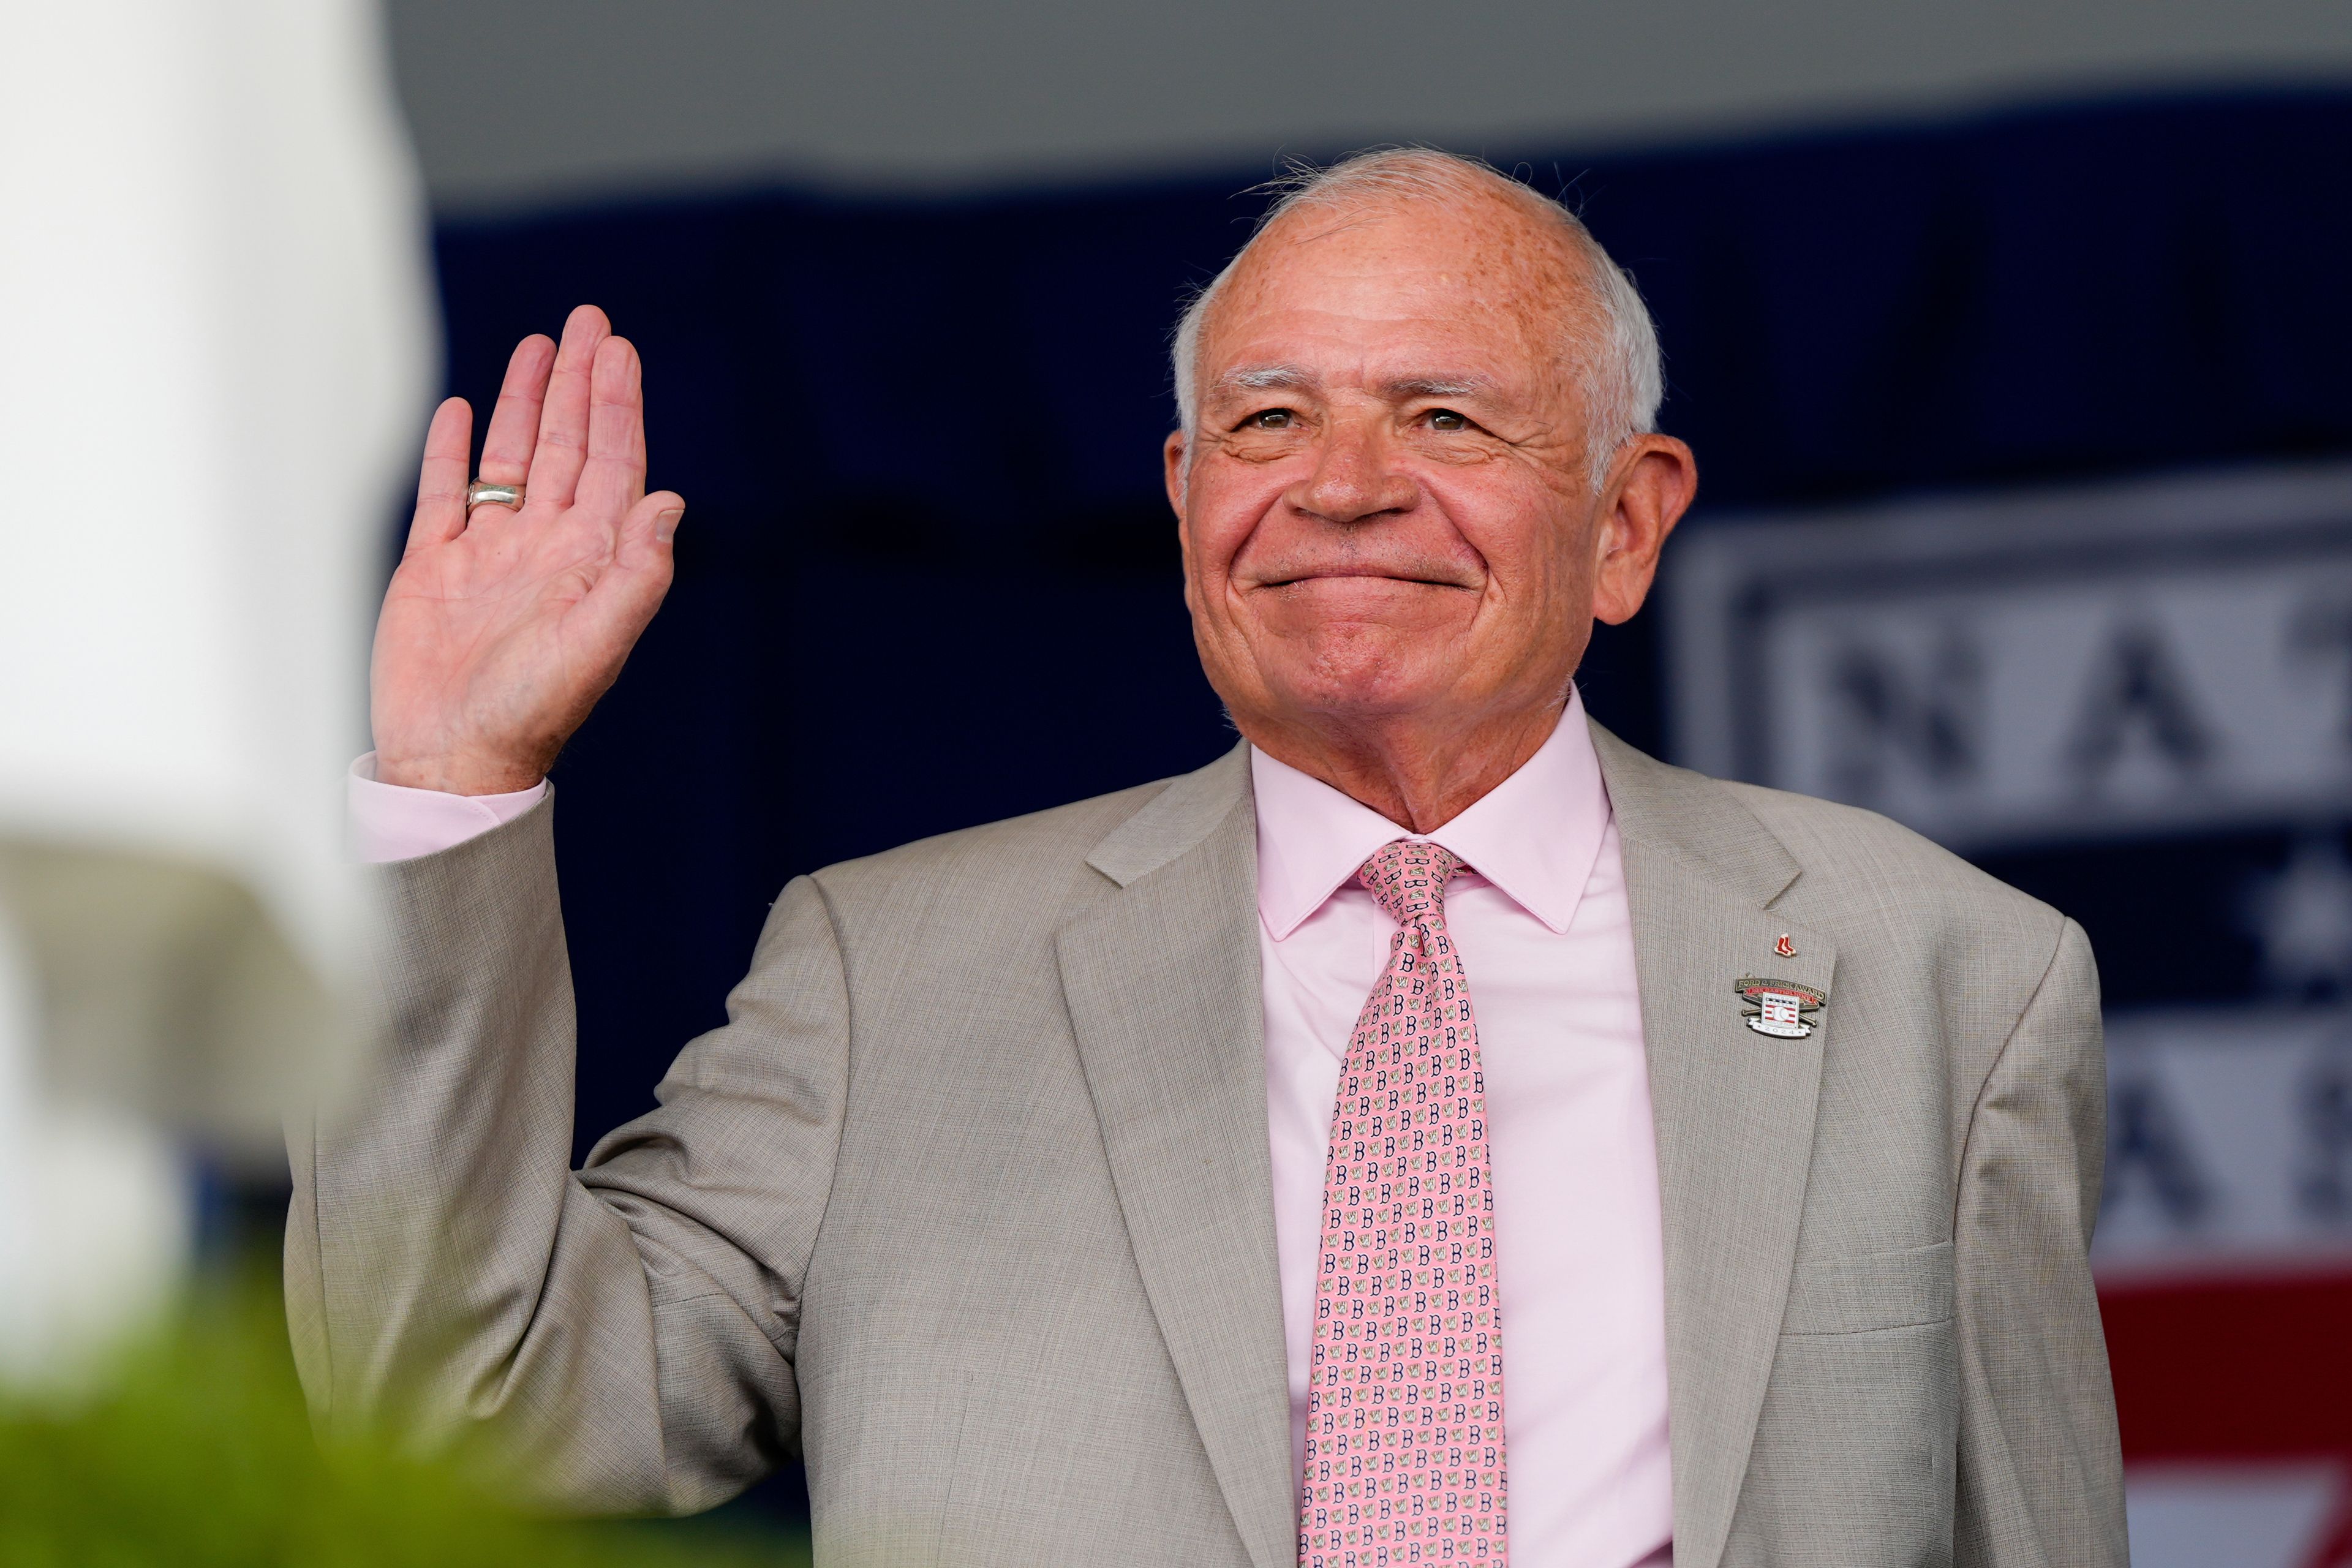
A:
519, 103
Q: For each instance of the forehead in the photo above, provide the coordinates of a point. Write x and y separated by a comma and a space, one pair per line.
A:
1379, 284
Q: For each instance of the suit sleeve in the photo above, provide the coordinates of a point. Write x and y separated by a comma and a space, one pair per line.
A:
2040, 1472
622, 1338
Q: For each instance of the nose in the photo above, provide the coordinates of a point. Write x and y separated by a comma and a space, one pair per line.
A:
1355, 477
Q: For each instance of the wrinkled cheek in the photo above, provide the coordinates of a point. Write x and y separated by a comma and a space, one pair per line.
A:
1217, 630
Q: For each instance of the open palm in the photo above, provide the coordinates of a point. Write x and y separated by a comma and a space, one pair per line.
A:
500, 630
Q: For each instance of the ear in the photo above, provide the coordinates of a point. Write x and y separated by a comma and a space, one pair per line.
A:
1171, 459
1655, 480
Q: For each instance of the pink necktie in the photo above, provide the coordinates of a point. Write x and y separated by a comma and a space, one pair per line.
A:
1404, 1408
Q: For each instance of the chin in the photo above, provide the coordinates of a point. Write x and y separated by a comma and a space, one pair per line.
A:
1357, 678
1348, 667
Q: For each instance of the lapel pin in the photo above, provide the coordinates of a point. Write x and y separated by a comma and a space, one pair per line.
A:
1784, 948
1779, 1007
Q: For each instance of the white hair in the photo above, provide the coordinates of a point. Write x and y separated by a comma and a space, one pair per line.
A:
1616, 360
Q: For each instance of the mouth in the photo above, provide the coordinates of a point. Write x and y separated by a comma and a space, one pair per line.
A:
1342, 575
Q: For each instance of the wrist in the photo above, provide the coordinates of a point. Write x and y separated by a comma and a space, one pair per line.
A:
456, 775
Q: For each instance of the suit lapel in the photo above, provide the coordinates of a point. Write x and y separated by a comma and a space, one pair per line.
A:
1162, 983
1734, 1109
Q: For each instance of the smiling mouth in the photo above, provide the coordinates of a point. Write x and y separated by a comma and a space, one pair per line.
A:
1406, 578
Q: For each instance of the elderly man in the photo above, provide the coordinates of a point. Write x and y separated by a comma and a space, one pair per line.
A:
1432, 1132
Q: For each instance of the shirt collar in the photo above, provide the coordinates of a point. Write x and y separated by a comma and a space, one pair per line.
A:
1536, 834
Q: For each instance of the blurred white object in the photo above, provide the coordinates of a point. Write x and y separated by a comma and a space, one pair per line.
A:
100, 1229
213, 295
212, 280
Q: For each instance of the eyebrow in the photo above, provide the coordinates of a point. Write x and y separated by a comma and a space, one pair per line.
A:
1463, 385
1296, 378
1265, 378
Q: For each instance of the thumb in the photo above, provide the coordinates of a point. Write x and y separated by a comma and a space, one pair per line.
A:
648, 530
617, 609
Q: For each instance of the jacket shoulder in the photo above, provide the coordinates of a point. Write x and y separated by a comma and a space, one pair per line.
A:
1060, 836
1861, 867
1794, 848
929, 919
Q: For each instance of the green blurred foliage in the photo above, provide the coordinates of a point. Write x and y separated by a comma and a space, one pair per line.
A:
196, 1451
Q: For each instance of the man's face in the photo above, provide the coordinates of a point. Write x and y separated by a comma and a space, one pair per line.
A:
1386, 512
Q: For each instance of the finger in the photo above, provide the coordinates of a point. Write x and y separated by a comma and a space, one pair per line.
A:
514, 423
615, 612
615, 476
563, 420
441, 482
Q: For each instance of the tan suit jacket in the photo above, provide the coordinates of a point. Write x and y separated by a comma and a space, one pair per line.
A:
969, 1199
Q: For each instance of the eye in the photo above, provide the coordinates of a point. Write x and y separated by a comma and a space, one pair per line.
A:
1446, 419
1270, 419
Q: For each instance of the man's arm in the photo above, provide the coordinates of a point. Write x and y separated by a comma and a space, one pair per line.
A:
2040, 1476
623, 1338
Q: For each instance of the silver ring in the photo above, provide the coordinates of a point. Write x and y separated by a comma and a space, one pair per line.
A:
482, 493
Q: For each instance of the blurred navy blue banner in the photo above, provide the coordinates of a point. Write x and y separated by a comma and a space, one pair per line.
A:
928, 578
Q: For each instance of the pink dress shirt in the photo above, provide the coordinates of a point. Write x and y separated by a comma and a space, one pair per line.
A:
1547, 945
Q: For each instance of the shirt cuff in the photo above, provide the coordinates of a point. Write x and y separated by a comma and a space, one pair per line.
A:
393, 823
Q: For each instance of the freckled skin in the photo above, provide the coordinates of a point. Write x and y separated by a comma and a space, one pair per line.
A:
1394, 555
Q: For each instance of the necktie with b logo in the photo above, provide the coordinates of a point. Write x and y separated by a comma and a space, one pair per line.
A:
1404, 1404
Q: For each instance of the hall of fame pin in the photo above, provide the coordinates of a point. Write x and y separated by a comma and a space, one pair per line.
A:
1779, 1007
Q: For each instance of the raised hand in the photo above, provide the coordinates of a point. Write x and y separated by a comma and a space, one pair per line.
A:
501, 630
